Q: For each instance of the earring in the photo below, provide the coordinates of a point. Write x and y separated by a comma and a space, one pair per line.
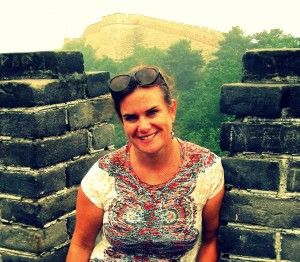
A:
172, 132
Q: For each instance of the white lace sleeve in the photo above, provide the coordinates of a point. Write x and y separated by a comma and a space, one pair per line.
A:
216, 176
97, 185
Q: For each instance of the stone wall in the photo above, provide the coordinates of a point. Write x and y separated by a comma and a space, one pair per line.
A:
53, 127
261, 210
116, 35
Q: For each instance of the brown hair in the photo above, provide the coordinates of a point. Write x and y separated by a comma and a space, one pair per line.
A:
165, 83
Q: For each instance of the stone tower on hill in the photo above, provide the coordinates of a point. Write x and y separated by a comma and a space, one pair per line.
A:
117, 35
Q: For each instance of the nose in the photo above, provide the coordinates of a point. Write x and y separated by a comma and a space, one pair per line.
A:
144, 125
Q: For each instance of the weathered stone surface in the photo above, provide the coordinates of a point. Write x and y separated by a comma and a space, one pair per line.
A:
88, 113
247, 173
71, 224
263, 100
32, 183
276, 137
295, 100
40, 64
247, 242
58, 255
33, 123
261, 210
33, 241
78, 168
272, 65
41, 212
293, 177
43, 152
97, 83
102, 136
290, 247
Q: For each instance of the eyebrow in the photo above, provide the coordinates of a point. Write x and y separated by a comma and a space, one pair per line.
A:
147, 111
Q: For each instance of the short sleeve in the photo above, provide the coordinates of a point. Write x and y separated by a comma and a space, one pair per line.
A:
216, 176
97, 185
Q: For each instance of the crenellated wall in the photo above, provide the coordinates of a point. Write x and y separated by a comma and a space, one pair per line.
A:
261, 211
116, 35
53, 127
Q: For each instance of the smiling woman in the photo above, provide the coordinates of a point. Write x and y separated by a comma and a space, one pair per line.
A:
156, 198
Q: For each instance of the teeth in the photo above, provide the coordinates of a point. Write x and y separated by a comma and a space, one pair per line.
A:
147, 137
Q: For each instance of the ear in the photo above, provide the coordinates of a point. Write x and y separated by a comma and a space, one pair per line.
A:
173, 109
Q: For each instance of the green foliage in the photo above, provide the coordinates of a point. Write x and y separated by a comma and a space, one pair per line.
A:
198, 118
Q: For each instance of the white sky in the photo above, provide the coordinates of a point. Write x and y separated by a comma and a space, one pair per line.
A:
40, 25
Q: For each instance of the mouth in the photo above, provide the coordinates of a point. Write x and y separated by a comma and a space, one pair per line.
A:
145, 138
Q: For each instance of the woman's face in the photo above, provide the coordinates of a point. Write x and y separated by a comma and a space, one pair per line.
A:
147, 119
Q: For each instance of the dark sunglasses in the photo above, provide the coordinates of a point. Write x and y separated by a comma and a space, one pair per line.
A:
147, 76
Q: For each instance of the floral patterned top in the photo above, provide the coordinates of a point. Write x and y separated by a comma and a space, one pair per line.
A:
145, 222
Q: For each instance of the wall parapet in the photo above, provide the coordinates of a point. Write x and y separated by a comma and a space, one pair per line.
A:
53, 127
260, 214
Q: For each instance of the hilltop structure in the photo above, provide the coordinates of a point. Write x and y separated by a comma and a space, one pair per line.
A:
117, 35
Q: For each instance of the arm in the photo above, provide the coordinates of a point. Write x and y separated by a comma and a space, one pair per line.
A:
209, 247
89, 220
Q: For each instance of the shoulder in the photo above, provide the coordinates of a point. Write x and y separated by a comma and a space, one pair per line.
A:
198, 155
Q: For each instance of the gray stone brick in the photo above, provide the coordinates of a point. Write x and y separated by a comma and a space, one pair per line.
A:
40, 64
33, 123
247, 242
295, 100
43, 152
290, 247
32, 183
246, 99
88, 113
33, 241
260, 210
102, 136
97, 83
39, 213
271, 65
77, 169
247, 173
293, 177
275, 137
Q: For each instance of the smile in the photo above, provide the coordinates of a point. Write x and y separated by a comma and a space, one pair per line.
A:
147, 137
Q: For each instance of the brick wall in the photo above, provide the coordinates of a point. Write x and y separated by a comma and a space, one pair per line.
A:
53, 127
261, 211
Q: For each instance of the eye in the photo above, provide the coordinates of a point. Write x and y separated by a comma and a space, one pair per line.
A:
152, 112
130, 118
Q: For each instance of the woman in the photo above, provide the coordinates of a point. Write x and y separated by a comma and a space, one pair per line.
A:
158, 197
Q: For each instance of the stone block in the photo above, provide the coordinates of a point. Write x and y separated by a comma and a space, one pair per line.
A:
97, 83
246, 99
293, 177
88, 113
38, 92
31, 240
263, 136
43, 152
39, 65
102, 136
247, 242
77, 169
32, 183
245, 173
71, 221
33, 123
295, 100
39, 213
290, 246
272, 65
59, 254
266, 211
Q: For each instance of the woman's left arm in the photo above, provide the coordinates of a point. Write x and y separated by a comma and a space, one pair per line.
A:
210, 224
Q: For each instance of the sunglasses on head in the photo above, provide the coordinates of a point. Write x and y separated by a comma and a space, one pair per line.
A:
144, 77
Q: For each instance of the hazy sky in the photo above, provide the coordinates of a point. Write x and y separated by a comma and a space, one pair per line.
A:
39, 25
